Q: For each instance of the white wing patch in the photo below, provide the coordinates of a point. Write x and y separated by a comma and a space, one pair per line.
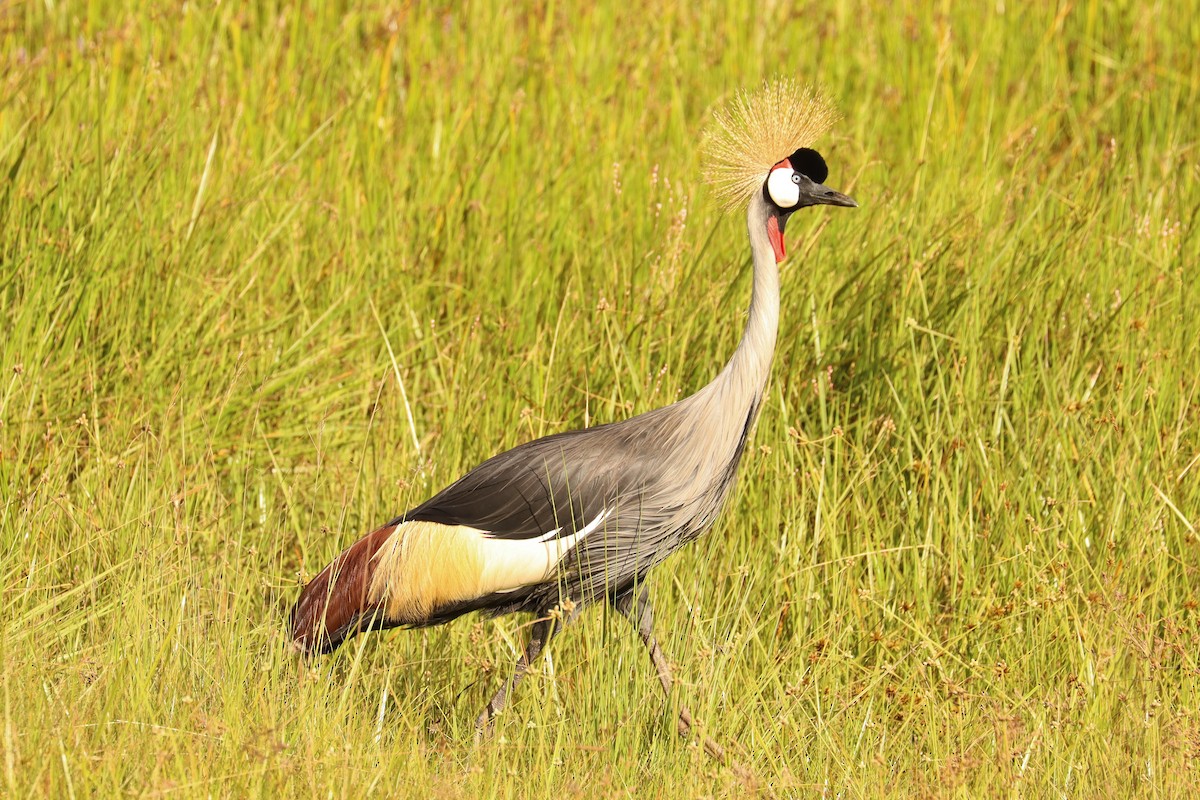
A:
424, 565
513, 563
547, 535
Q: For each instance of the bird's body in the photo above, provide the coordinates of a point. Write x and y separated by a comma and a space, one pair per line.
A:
578, 517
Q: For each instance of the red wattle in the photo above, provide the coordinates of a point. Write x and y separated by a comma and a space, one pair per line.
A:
776, 237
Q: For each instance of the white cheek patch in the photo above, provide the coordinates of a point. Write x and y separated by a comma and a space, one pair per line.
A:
783, 190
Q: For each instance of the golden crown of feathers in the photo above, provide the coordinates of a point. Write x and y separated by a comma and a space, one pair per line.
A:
756, 130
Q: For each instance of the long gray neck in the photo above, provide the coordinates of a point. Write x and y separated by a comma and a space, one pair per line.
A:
721, 414
745, 376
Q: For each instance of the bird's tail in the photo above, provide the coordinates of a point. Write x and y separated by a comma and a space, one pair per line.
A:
337, 603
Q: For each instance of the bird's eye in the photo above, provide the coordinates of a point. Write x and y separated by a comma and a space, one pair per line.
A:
796, 178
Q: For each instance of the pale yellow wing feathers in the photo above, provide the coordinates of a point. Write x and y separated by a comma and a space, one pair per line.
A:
427, 565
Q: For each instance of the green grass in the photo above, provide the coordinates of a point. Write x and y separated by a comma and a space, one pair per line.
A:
268, 277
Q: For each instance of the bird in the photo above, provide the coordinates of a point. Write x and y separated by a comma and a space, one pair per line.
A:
578, 518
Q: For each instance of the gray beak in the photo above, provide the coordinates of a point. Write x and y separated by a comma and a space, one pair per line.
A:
824, 195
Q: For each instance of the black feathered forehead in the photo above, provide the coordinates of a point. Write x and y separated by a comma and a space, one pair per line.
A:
808, 162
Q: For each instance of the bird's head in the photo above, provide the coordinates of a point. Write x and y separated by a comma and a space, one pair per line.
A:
746, 149
796, 182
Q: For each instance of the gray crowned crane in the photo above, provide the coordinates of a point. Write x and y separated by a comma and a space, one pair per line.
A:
557, 524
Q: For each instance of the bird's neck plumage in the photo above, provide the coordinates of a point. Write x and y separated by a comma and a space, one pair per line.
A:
742, 381
719, 416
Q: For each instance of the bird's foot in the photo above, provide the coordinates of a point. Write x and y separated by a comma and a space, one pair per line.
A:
486, 721
688, 727
483, 724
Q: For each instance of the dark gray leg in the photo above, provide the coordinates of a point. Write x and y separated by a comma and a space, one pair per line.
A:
636, 608
634, 605
539, 634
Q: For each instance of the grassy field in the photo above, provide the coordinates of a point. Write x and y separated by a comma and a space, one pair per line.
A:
270, 274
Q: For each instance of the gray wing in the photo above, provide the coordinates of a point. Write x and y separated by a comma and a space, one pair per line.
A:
619, 482
558, 483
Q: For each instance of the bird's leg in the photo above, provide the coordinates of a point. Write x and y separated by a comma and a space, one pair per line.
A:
539, 634
637, 610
